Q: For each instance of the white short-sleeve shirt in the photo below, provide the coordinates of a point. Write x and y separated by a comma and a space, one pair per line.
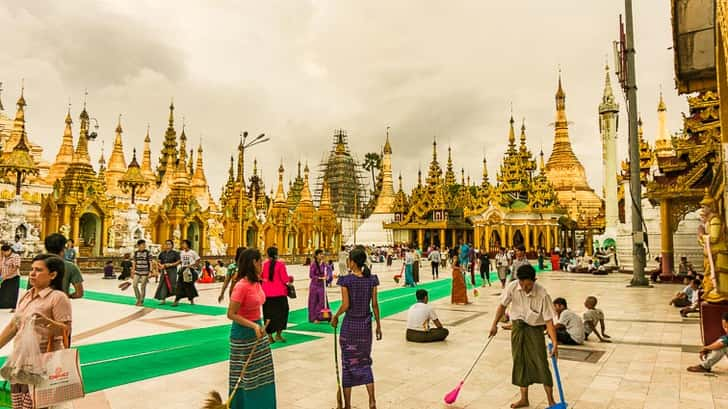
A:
535, 308
419, 316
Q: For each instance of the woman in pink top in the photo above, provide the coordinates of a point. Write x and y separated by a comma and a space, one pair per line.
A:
275, 309
51, 308
257, 389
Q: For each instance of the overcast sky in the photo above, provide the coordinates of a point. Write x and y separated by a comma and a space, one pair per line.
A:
297, 70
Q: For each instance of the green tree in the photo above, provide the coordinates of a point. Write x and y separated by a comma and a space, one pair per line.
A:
373, 164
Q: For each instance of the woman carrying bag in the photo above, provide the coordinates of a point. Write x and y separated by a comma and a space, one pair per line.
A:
48, 308
189, 260
275, 287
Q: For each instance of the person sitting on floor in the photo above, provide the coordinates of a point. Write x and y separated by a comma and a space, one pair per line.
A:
593, 316
687, 295
419, 317
685, 270
569, 326
711, 354
109, 270
694, 301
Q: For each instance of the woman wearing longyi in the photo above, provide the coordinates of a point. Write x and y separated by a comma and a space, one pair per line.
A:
248, 337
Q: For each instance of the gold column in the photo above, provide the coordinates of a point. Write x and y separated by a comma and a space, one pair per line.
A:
527, 237
442, 238
454, 237
666, 243
486, 241
105, 223
503, 235
420, 238
75, 222
549, 247
510, 236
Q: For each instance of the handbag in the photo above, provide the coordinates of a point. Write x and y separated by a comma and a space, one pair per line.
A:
189, 275
291, 289
64, 381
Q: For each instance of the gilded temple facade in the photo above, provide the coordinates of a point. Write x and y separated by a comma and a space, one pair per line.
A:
292, 222
521, 208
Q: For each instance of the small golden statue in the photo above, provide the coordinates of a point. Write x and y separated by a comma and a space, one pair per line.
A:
711, 235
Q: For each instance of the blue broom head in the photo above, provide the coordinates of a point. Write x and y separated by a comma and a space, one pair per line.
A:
560, 405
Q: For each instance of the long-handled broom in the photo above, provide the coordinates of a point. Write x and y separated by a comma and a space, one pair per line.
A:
452, 396
339, 402
555, 363
214, 400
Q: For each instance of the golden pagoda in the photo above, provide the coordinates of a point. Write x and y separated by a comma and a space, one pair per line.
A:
566, 174
117, 163
520, 209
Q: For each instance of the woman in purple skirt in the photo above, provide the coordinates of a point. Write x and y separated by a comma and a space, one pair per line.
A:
358, 292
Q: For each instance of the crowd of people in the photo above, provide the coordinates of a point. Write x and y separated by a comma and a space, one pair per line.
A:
259, 290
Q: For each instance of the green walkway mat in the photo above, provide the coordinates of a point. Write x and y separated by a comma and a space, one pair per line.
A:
114, 363
152, 303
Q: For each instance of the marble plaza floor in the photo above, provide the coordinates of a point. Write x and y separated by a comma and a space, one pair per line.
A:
137, 358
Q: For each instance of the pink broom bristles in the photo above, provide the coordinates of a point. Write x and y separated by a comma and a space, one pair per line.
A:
452, 396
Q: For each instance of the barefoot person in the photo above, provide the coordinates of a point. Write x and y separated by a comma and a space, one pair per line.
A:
531, 312
358, 292
167, 263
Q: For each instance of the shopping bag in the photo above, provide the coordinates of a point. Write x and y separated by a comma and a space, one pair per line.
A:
24, 365
63, 382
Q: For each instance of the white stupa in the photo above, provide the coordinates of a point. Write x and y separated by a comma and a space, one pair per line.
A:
372, 231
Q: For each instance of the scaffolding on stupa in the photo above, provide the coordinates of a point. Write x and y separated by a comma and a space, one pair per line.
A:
346, 180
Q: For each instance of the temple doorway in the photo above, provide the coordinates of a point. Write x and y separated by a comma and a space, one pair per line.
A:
89, 235
517, 238
495, 242
291, 243
251, 238
193, 235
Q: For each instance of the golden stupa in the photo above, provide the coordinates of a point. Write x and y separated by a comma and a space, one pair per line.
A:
567, 175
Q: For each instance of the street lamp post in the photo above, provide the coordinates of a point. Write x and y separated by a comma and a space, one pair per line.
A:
245, 144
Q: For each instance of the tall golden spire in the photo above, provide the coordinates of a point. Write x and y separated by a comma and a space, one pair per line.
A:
325, 196
563, 168
449, 174
117, 162
400, 183
19, 122
435, 172
462, 176
385, 200
306, 191
484, 183
511, 134
169, 147
146, 170
663, 144
280, 197
81, 155
199, 178
64, 157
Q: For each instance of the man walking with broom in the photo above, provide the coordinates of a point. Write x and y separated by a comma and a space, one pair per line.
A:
531, 311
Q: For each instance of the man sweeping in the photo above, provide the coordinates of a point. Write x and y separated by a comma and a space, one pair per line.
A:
531, 310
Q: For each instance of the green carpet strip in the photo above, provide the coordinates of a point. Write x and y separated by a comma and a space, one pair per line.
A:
115, 363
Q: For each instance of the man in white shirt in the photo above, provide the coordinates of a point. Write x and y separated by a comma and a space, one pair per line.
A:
569, 326
531, 311
419, 318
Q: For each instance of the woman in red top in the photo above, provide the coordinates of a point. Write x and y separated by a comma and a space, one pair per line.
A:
257, 388
275, 281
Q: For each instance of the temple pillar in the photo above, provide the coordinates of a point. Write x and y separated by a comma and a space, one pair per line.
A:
503, 235
509, 241
486, 239
454, 235
105, 223
527, 237
420, 238
75, 226
666, 243
442, 238
548, 239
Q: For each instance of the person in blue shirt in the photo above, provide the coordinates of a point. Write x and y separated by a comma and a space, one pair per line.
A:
712, 354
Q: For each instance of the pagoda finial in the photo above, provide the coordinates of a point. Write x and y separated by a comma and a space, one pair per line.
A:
609, 103
400, 181
434, 148
560, 95
146, 137
1, 100
462, 176
523, 132
541, 165
485, 182
661, 104
387, 147
449, 173
171, 113
511, 133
